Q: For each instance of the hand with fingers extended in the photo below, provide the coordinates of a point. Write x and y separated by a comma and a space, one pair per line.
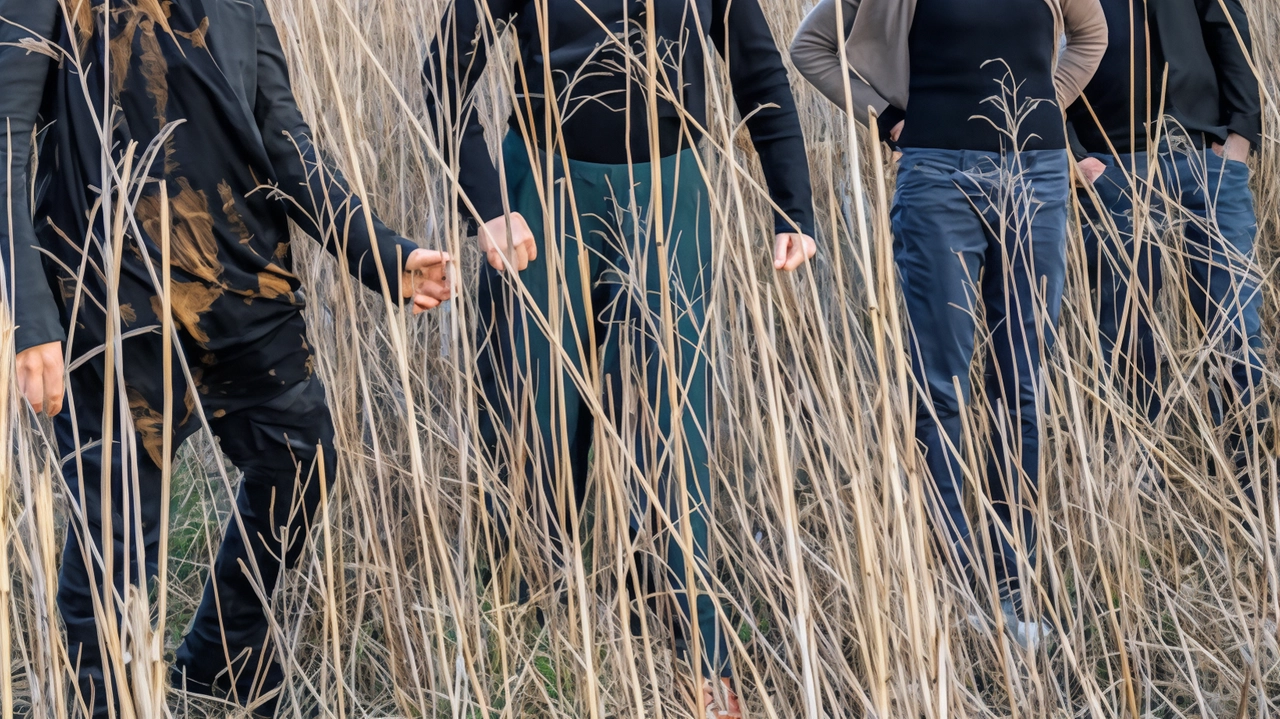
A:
40, 377
793, 249
426, 279
507, 241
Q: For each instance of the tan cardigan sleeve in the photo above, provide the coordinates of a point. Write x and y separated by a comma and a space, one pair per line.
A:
1086, 31
818, 54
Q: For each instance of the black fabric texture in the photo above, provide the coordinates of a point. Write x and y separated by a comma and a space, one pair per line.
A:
207, 99
975, 67
601, 114
1211, 89
1113, 113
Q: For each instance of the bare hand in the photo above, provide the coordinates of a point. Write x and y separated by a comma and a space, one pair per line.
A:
40, 377
896, 132
426, 279
792, 250
517, 246
1091, 168
1237, 148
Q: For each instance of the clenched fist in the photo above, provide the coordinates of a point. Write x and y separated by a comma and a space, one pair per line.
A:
40, 377
793, 249
514, 242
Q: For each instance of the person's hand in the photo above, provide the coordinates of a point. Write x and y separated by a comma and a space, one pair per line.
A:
894, 134
40, 373
1091, 168
793, 249
518, 245
732, 708
1236, 148
426, 279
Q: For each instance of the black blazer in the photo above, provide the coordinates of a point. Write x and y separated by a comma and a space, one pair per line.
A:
1212, 88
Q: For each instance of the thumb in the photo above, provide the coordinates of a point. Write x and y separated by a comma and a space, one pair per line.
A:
422, 258
780, 251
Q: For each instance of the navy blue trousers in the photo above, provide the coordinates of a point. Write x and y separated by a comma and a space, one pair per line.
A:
978, 235
1214, 212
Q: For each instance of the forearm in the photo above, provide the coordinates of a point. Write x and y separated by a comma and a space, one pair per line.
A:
1226, 31
818, 54
1086, 31
331, 212
786, 170
22, 79
451, 72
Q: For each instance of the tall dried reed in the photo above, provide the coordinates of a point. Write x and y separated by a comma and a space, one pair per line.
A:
841, 604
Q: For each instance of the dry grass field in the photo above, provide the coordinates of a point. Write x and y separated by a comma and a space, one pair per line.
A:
1165, 600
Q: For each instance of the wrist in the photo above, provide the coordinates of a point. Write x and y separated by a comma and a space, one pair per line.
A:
887, 121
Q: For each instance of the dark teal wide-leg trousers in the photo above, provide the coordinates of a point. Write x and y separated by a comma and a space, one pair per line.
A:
580, 337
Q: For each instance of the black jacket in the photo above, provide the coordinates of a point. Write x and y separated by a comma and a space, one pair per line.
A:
1211, 87
239, 162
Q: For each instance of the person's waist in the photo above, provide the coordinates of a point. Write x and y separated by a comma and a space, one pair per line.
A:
1198, 140
612, 140
957, 130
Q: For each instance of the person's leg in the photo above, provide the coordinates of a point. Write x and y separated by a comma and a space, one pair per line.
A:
533, 422
940, 244
1022, 291
671, 434
1124, 272
278, 432
1224, 286
116, 514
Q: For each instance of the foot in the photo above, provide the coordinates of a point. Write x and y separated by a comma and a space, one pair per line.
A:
1027, 634
724, 706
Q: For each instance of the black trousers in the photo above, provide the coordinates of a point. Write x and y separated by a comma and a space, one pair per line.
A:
269, 415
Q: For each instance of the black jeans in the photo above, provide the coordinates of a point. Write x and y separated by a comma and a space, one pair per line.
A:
270, 417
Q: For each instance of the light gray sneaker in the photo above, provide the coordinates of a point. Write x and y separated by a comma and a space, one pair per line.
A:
1027, 634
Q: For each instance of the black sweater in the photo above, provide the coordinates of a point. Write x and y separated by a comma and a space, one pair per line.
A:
973, 66
1117, 95
1211, 89
601, 102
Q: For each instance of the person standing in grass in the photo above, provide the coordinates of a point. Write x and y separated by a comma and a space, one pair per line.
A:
1178, 149
979, 222
201, 114
580, 263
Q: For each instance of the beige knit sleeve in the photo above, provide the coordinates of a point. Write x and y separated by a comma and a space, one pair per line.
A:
1086, 31
818, 54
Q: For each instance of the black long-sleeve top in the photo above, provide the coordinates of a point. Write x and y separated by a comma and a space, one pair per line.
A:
1117, 95
974, 66
599, 86
241, 134
1211, 88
